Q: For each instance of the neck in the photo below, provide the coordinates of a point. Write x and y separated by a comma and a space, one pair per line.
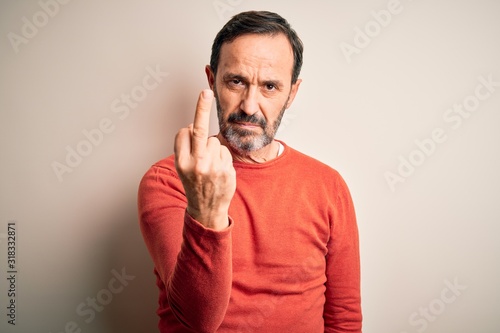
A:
262, 155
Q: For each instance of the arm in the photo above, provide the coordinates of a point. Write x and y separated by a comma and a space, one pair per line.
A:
196, 269
342, 311
193, 262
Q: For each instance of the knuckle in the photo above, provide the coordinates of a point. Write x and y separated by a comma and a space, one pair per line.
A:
201, 167
213, 142
178, 136
183, 130
199, 133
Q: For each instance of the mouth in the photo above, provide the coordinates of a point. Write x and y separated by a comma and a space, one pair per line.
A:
246, 125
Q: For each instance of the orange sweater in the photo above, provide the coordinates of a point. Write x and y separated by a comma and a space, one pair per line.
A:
288, 262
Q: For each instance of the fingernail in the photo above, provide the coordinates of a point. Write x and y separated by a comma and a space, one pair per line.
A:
207, 93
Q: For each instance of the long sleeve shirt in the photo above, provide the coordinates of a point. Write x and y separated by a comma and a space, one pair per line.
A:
288, 262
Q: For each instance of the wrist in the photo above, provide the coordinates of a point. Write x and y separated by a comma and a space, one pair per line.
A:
217, 220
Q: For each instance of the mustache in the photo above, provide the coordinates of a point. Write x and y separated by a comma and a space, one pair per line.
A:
241, 116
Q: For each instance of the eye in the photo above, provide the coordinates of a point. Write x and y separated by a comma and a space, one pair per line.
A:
270, 87
235, 83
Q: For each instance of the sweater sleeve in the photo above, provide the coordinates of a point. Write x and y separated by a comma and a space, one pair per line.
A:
342, 312
193, 262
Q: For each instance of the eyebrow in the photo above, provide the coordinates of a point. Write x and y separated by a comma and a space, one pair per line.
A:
234, 76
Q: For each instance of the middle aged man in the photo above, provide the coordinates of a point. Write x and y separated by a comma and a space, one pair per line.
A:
246, 233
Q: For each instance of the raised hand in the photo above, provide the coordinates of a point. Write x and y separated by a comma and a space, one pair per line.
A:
205, 168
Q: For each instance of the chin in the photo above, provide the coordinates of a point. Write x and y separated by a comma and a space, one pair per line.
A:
246, 146
246, 141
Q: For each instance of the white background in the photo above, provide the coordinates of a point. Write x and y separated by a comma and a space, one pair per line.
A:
360, 113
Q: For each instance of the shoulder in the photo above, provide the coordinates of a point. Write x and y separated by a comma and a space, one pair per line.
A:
164, 166
161, 173
323, 176
160, 186
167, 163
311, 163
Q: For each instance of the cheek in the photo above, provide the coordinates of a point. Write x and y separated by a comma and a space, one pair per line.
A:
272, 109
228, 100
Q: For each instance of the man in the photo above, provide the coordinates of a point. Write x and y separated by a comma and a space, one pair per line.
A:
246, 233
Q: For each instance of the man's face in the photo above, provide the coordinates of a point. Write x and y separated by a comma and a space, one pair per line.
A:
253, 89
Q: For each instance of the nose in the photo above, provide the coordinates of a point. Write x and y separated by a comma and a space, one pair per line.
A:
250, 101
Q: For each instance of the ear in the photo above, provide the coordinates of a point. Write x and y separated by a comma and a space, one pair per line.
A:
210, 76
293, 92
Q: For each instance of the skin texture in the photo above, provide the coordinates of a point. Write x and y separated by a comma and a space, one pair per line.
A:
253, 89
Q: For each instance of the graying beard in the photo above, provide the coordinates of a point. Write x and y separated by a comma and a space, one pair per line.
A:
233, 137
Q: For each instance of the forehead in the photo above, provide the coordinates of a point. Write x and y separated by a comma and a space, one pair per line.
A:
252, 54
